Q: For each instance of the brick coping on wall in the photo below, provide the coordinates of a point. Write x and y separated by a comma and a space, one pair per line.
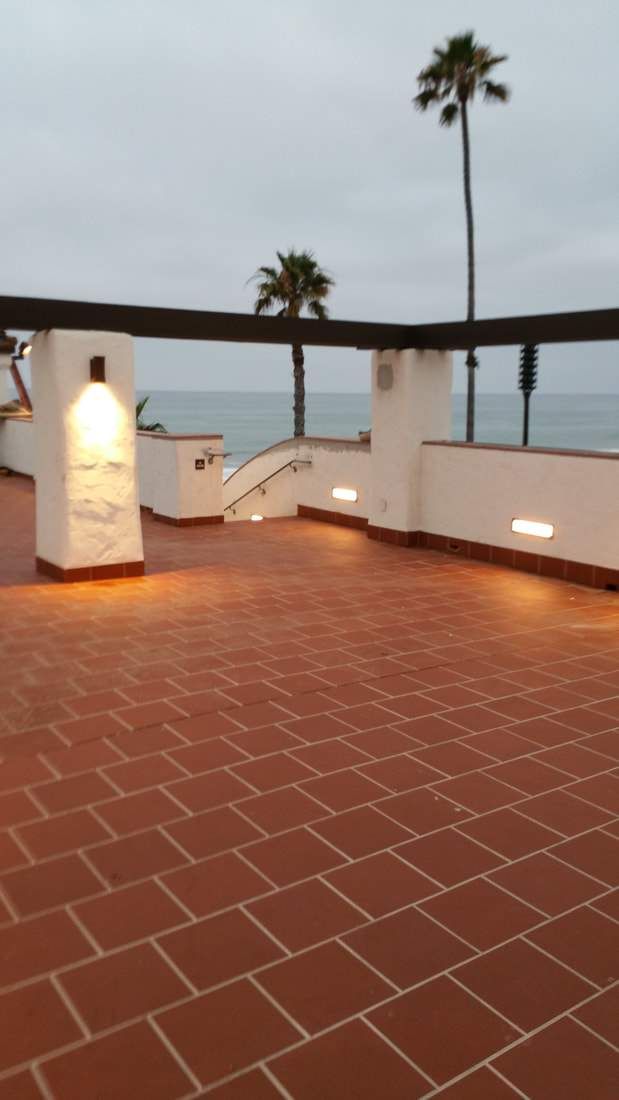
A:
594, 576
520, 450
172, 436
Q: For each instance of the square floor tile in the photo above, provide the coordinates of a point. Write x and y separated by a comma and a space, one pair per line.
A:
407, 947
596, 853
423, 810
529, 775
449, 857
351, 1061
214, 831
401, 773
42, 944
481, 913
359, 832
303, 915
292, 856
547, 884
478, 792
324, 986
601, 791
563, 1061
215, 883
523, 984
283, 809
134, 913
561, 811
34, 1022
126, 1064
418, 1023
343, 790
510, 833
121, 986
206, 791
453, 758
51, 884
383, 742
584, 940
602, 1015
136, 857
242, 1027
279, 770
212, 951
381, 883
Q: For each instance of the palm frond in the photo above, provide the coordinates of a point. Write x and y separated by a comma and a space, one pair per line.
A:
449, 114
495, 91
457, 71
298, 284
156, 426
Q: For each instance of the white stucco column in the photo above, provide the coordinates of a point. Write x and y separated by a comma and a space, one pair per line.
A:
411, 402
87, 505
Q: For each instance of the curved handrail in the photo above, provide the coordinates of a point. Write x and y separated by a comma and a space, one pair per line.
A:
298, 440
294, 462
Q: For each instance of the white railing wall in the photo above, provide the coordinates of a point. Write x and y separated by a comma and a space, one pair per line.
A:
473, 492
17, 444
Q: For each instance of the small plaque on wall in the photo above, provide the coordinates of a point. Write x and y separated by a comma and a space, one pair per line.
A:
200, 464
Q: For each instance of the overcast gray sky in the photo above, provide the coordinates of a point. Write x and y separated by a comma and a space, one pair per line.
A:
157, 153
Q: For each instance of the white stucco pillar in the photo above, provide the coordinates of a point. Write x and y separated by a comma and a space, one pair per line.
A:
411, 402
87, 504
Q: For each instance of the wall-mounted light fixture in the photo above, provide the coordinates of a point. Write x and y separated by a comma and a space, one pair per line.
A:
256, 517
532, 527
97, 368
345, 494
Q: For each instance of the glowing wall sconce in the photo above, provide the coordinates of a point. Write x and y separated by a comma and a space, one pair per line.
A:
256, 517
97, 368
531, 527
345, 494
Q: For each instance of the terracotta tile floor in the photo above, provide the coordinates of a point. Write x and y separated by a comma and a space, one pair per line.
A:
301, 815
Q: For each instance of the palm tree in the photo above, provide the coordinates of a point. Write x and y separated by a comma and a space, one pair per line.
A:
457, 71
299, 283
156, 426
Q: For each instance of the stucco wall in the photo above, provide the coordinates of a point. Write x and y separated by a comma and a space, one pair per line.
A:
168, 479
474, 492
343, 463
17, 445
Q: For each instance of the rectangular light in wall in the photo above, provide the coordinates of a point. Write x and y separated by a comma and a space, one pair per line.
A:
532, 527
345, 494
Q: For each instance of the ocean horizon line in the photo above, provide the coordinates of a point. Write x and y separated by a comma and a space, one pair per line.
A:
366, 393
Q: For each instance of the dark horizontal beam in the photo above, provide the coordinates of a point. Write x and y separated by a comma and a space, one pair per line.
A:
35, 314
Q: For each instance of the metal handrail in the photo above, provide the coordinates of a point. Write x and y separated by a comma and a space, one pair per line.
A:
294, 462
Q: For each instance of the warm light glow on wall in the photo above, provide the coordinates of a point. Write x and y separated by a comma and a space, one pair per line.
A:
532, 527
255, 518
97, 416
345, 494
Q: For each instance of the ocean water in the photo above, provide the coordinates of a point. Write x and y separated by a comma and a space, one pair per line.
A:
252, 421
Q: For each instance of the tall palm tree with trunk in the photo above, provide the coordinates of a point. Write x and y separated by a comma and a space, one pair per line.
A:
458, 70
299, 283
